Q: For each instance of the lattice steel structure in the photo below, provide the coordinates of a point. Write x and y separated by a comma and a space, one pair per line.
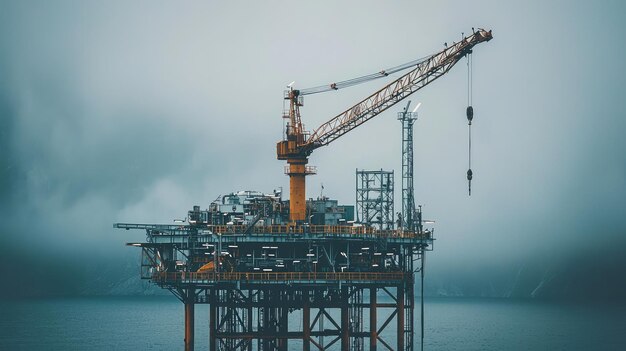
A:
374, 198
409, 216
286, 287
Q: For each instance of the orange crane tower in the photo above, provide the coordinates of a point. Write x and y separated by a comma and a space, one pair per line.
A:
298, 145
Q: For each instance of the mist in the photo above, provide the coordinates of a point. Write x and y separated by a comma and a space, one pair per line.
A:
136, 112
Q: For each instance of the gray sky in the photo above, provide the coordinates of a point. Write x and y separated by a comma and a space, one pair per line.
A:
135, 112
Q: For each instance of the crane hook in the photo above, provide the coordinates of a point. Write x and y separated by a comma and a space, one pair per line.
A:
469, 181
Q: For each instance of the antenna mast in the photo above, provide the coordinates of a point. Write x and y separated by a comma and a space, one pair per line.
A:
408, 198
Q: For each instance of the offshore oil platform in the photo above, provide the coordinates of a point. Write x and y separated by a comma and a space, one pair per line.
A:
300, 274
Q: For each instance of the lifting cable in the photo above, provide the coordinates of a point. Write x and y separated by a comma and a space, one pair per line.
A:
470, 116
363, 79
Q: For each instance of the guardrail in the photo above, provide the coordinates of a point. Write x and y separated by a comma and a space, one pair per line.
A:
316, 229
195, 277
319, 230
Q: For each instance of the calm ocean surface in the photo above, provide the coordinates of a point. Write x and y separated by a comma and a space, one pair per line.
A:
156, 323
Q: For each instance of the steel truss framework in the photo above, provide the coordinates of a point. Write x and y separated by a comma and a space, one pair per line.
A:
409, 217
307, 317
374, 198
356, 292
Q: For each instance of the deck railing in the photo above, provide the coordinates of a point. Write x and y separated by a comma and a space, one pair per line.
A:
298, 230
195, 277
316, 229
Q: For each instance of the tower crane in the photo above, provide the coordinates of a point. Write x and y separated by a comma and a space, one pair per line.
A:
297, 145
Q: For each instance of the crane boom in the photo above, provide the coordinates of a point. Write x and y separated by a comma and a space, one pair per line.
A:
423, 74
297, 146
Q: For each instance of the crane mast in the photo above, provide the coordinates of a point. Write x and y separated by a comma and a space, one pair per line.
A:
297, 145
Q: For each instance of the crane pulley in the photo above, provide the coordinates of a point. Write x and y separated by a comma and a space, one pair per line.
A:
297, 145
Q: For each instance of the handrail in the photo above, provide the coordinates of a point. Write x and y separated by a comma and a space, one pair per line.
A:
315, 229
193, 277
277, 229
280, 229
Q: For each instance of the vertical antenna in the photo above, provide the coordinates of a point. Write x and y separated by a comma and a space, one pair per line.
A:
408, 197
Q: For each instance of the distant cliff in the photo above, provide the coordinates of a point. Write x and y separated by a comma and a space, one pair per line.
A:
593, 274
119, 278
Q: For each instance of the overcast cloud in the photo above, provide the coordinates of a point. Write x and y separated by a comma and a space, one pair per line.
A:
116, 112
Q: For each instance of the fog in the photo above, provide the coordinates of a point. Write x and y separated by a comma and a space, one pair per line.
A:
123, 112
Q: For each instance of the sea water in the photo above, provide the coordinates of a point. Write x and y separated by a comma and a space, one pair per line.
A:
156, 323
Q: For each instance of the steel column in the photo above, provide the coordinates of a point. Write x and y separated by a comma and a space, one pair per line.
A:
373, 330
283, 327
345, 321
400, 317
297, 189
189, 319
306, 322
249, 348
212, 324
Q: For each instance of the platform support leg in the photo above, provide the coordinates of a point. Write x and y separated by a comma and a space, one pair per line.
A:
345, 321
400, 317
212, 322
373, 316
189, 319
